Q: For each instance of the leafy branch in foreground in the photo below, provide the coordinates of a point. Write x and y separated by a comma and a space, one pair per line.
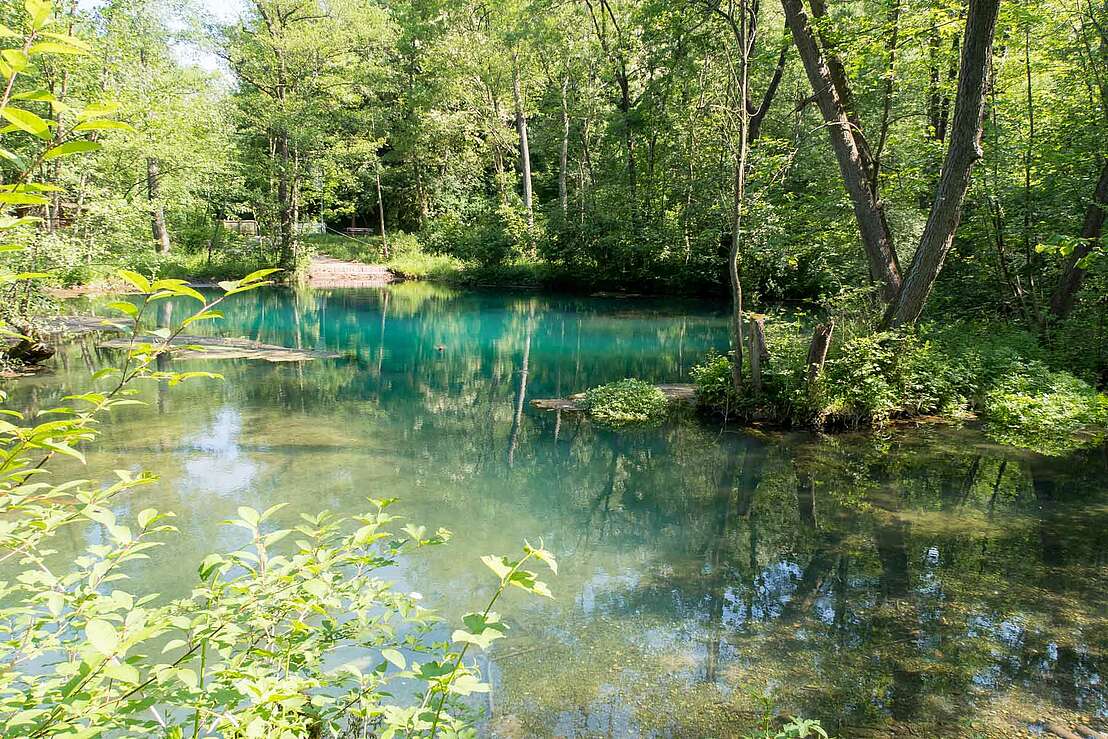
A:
293, 634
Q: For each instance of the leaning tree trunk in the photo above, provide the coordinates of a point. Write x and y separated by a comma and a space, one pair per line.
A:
524, 149
1072, 273
876, 237
963, 153
157, 216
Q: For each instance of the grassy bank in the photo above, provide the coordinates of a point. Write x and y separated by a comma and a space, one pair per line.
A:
1017, 387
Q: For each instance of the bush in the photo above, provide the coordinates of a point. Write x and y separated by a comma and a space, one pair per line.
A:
873, 378
1051, 412
626, 402
714, 387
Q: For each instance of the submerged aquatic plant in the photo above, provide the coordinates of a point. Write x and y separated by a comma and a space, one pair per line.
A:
626, 402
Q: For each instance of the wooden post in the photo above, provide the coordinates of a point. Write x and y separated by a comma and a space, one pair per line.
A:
758, 352
817, 352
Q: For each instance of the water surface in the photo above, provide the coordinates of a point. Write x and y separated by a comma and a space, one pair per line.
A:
922, 582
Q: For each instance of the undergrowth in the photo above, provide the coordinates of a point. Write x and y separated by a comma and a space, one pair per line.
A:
1003, 375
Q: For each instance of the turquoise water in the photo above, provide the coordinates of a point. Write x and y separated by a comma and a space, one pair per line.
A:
921, 581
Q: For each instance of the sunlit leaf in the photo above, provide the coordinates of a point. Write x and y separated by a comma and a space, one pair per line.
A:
395, 658
103, 636
72, 147
25, 120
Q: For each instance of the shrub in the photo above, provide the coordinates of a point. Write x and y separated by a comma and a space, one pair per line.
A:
714, 388
626, 402
1051, 412
872, 378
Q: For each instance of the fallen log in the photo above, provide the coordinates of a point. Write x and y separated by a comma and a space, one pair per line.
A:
211, 347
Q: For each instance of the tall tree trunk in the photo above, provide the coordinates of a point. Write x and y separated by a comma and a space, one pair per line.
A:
887, 96
1031, 261
284, 200
628, 142
157, 215
876, 237
381, 216
563, 160
524, 149
837, 70
733, 262
521, 394
962, 154
1073, 274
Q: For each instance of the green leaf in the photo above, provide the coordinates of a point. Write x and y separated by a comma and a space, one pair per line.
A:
7, 223
135, 279
480, 629
499, 565
207, 315
468, 684
180, 377
188, 677
16, 59
27, 121
72, 147
431, 670
103, 637
97, 110
122, 671
394, 657
257, 275
123, 307
14, 158
318, 588
541, 554
65, 38
40, 11
22, 198
248, 514
528, 581
54, 47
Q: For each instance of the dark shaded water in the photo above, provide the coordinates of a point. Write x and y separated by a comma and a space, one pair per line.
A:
921, 580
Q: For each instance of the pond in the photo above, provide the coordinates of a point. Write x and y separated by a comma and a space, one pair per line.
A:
920, 582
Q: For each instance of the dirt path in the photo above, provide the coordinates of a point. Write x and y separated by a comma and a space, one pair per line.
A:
330, 272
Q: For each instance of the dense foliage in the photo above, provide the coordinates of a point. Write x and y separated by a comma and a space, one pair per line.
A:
870, 379
596, 137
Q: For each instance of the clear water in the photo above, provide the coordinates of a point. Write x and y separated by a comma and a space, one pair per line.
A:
921, 581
